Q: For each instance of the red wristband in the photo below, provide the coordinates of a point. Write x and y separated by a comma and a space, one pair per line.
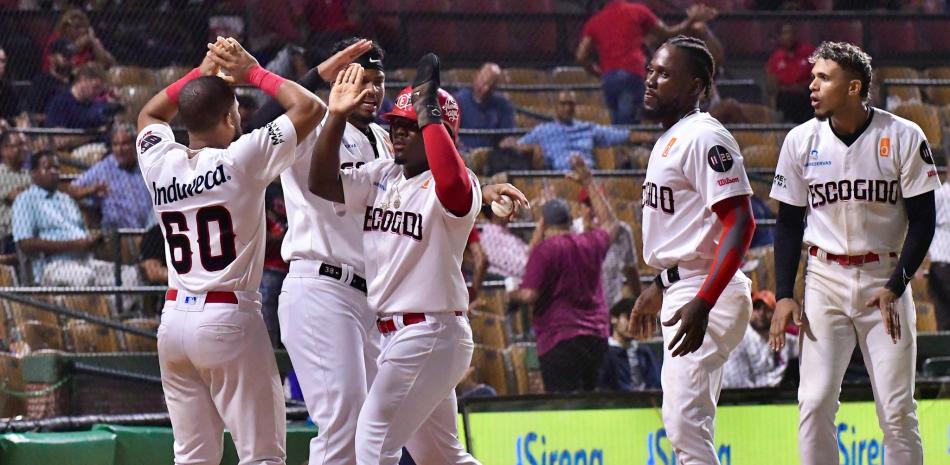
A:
265, 80
174, 89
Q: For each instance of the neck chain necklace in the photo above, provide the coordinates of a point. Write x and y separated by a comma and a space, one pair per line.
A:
392, 197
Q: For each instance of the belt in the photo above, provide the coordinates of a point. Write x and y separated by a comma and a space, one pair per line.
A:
335, 272
846, 260
387, 325
667, 277
213, 297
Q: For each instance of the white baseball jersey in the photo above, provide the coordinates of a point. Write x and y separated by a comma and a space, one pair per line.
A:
211, 204
694, 164
319, 229
854, 194
413, 244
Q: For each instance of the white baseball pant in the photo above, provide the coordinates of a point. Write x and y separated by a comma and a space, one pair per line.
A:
330, 334
218, 370
837, 318
691, 383
412, 401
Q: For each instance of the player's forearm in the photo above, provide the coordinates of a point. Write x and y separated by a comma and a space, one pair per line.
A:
273, 109
603, 211
164, 105
735, 213
324, 179
789, 231
452, 184
922, 220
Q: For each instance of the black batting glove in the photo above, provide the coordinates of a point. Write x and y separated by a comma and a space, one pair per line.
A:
425, 91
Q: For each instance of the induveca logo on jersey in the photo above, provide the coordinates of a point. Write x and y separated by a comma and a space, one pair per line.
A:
176, 191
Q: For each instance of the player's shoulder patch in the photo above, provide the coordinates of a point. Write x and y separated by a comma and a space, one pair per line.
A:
275, 134
719, 159
925, 153
148, 140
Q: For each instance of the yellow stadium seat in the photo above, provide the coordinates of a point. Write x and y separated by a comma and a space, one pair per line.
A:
136, 343
759, 114
39, 336
490, 367
927, 117
488, 329
89, 338
902, 94
131, 76
926, 318
939, 95
750, 138
526, 76
594, 114
23, 313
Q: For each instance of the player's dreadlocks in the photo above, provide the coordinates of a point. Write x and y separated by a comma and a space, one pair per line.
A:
701, 61
849, 57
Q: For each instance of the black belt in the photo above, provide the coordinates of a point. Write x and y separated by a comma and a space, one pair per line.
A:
667, 277
336, 272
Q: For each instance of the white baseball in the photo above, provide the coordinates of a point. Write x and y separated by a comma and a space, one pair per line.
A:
502, 207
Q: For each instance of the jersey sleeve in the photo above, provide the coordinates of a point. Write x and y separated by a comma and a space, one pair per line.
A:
918, 174
358, 184
788, 185
716, 168
264, 153
152, 142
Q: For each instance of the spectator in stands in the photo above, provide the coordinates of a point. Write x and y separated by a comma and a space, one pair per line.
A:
506, 252
81, 106
247, 105
74, 27
788, 74
620, 275
629, 365
49, 229
152, 257
51, 81
616, 35
752, 363
565, 137
939, 275
14, 178
275, 268
9, 99
764, 236
114, 185
562, 281
474, 265
483, 108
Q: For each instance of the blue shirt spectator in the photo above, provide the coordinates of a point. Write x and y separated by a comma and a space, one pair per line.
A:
45, 213
115, 185
78, 106
561, 139
483, 108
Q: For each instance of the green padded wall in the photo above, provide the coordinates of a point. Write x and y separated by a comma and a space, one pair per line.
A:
75, 448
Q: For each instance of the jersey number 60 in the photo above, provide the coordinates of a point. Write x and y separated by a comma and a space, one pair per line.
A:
178, 244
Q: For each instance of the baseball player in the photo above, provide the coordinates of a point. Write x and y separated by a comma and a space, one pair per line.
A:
697, 225
416, 212
323, 304
855, 184
217, 366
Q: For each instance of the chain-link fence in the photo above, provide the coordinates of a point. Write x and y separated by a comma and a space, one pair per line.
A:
74, 80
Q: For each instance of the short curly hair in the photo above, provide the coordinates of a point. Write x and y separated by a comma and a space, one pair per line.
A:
849, 57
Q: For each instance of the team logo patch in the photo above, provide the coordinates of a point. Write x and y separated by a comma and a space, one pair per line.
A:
885, 150
926, 154
149, 141
719, 159
814, 161
275, 134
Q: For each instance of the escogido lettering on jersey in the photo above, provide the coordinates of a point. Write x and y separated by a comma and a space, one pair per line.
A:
867, 190
176, 191
408, 224
658, 197
532, 449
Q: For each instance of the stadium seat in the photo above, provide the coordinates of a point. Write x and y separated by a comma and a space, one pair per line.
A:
526, 368
134, 98
488, 329
894, 39
136, 343
23, 313
761, 156
526, 76
121, 76
573, 75
90, 338
594, 114
750, 138
897, 94
8, 276
491, 368
531, 187
926, 318
759, 114
749, 38
605, 158
170, 74
492, 301
40, 336
11, 376
939, 95
927, 117
462, 77
531, 99
623, 189
566, 189
93, 304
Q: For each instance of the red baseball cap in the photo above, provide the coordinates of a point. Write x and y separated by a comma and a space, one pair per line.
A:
451, 114
767, 297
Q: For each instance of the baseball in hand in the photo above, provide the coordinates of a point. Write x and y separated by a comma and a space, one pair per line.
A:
502, 207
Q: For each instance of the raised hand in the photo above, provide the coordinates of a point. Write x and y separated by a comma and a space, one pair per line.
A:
425, 91
347, 92
330, 69
493, 192
231, 56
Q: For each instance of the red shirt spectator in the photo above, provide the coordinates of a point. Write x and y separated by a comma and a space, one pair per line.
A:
617, 32
790, 66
